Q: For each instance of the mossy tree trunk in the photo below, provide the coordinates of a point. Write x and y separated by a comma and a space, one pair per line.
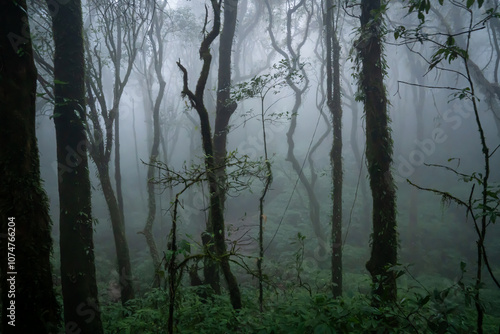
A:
25, 244
335, 106
81, 306
378, 153
224, 110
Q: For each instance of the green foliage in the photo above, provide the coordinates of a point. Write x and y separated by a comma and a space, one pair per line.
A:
422, 7
443, 310
281, 74
142, 315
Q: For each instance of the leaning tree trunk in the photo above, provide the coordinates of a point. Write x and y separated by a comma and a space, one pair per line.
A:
121, 246
76, 240
378, 154
26, 244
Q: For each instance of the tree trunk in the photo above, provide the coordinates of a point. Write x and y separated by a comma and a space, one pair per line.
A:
365, 216
157, 44
418, 100
118, 173
292, 56
116, 110
224, 110
121, 246
379, 154
215, 224
26, 244
334, 104
81, 307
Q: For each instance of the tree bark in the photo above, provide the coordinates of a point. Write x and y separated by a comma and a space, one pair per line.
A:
224, 110
215, 224
121, 245
112, 19
26, 243
81, 306
157, 46
335, 106
116, 110
378, 153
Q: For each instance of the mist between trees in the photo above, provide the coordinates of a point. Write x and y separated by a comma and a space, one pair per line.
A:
252, 166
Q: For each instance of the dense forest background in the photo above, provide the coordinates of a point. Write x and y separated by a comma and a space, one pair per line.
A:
241, 154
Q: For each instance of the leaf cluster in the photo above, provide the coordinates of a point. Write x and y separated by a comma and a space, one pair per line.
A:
258, 86
240, 172
422, 7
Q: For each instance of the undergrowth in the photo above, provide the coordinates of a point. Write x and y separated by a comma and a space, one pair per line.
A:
417, 311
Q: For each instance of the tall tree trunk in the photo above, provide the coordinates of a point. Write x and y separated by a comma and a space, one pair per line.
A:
118, 172
116, 110
378, 153
215, 224
137, 160
121, 246
28, 301
81, 307
224, 110
116, 41
365, 216
418, 102
334, 104
157, 45
292, 56
225, 106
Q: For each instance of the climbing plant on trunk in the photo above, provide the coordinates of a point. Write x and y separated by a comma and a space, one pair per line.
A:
335, 107
370, 60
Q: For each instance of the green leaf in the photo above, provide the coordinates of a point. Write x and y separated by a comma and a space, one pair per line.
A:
323, 329
470, 3
423, 301
462, 266
59, 82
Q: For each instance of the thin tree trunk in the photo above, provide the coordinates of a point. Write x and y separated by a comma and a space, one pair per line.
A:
118, 174
76, 227
418, 98
99, 113
136, 151
269, 180
157, 44
293, 59
116, 110
379, 155
215, 224
26, 243
121, 246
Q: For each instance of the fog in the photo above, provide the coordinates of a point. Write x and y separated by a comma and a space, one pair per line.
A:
436, 141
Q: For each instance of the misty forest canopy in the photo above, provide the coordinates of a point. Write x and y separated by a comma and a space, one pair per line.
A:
250, 166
